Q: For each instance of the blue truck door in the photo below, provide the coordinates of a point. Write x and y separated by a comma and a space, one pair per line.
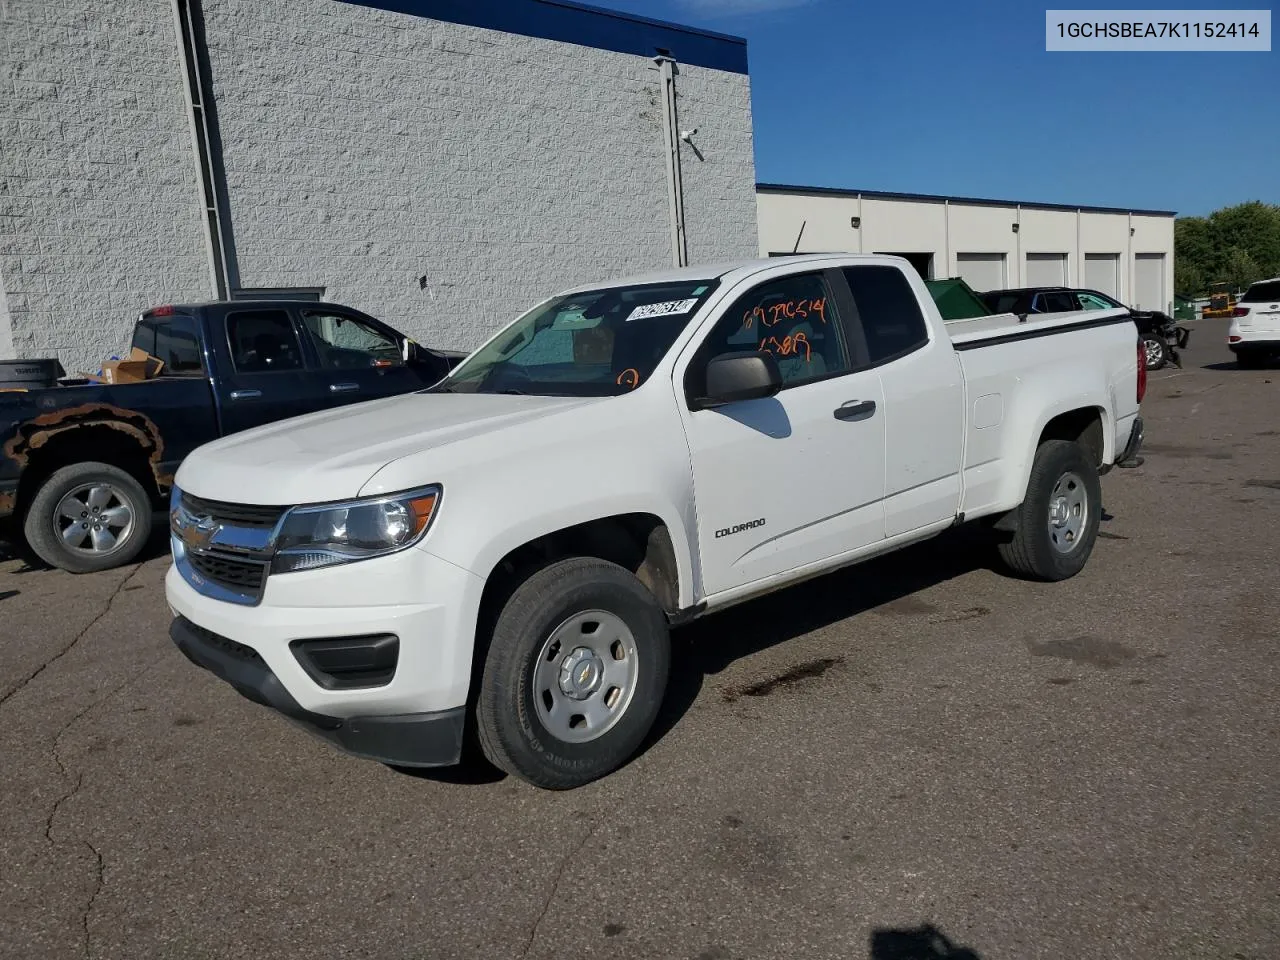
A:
267, 378
355, 357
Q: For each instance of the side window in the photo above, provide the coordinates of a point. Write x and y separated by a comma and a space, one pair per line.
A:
793, 318
1089, 302
888, 312
178, 345
263, 341
1055, 302
345, 343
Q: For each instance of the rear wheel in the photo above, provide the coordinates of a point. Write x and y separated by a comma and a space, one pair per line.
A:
88, 516
1057, 524
575, 674
1156, 352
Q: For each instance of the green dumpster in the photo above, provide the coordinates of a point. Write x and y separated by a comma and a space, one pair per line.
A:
956, 300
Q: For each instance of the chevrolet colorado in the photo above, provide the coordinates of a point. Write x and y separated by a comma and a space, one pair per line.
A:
510, 547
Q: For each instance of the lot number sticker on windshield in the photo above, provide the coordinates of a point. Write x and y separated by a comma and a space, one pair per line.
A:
662, 309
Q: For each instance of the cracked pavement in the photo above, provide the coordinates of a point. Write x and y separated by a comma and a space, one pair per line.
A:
1087, 769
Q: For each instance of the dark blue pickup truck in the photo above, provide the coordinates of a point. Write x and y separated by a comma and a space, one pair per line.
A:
84, 464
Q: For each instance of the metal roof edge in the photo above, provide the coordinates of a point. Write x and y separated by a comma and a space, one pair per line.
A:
568, 21
941, 198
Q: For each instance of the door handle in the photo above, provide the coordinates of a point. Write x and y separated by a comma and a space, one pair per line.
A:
245, 394
856, 410
343, 387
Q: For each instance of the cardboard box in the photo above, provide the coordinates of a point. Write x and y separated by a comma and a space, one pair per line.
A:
136, 367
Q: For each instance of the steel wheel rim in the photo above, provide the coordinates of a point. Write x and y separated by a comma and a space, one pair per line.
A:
1068, 512
94, 519
585, 676
1154, 351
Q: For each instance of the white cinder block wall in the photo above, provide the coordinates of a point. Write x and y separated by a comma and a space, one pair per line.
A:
100, 210
365, 149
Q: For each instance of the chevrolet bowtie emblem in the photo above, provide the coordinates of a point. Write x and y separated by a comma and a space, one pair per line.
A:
200, 533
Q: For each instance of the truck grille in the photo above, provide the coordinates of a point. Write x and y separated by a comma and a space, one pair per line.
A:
234, 514
246, 577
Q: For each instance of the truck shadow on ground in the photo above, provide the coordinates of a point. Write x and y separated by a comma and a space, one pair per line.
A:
1233, 367
926, 942
707, 646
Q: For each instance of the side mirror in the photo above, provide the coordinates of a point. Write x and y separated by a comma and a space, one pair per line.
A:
745, 375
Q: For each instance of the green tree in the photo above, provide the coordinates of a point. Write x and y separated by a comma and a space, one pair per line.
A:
1240, 269
1238, 244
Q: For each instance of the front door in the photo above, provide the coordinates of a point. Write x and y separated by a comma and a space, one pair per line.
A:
356, 359
797, 478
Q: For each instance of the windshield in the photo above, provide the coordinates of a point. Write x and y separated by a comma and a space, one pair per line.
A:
599, 343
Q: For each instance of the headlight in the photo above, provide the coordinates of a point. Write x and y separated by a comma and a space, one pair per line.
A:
321, 536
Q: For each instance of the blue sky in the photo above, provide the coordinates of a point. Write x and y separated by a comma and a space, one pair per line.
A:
945, 97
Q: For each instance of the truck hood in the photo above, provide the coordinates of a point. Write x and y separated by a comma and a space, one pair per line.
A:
331, 454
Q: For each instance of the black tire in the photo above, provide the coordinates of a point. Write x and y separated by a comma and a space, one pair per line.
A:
1031, 552
511, 731
42, 525
1156, 351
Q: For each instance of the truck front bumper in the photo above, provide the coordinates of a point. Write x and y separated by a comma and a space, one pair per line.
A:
374, 656
411, 739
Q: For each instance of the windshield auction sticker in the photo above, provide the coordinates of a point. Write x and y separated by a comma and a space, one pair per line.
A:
1224, 31
662, 309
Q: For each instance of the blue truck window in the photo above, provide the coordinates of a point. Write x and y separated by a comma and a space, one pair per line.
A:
263, 341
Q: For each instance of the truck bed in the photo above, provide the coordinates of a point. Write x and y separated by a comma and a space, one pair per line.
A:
1001, 327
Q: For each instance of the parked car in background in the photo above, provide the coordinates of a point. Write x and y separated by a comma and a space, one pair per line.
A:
511, 545
1254, 333
83, 463
1162, 338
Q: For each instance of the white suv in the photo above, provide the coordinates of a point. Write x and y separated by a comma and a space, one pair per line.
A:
1254, 334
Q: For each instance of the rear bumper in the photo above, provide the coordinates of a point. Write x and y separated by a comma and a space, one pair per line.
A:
1268, 343
414, 739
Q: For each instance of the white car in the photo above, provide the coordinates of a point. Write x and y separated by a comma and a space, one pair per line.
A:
1254, 333
511, 546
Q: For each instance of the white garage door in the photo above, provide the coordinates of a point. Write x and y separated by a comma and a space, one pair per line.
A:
1046, 270
1102, 273
982, 271
1148, 281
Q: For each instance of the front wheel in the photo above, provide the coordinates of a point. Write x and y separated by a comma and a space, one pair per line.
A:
575, 674
88, 516
1156, 352
1056, 526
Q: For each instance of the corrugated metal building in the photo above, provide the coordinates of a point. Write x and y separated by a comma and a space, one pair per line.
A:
436, 163
993, 244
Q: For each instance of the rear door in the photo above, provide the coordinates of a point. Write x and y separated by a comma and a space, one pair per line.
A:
266, 376
355, 357
923, 397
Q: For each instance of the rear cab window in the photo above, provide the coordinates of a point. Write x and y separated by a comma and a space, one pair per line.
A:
1265, 291
887, 311
173, 339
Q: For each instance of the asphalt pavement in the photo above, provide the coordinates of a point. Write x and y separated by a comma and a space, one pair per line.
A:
914, 759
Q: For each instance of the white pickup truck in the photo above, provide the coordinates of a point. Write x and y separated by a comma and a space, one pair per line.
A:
511, 546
